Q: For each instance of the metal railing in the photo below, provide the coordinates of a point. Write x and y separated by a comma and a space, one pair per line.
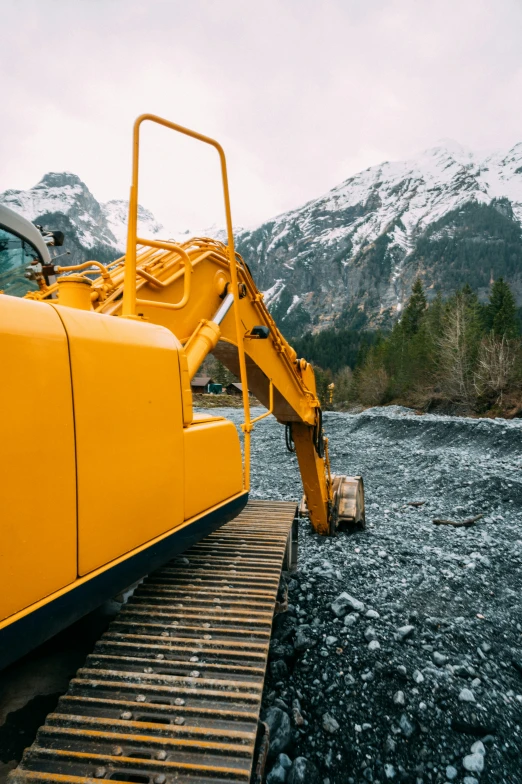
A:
129, 292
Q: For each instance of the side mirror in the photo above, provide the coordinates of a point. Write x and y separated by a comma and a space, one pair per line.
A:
53, 238
58, 237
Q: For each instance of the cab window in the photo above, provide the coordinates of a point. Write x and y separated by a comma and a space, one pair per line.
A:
16, 254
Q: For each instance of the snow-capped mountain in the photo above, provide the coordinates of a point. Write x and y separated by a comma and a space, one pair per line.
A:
449, 215
92, 229
61, 200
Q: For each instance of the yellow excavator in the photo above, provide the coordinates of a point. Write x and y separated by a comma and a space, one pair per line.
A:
108, 474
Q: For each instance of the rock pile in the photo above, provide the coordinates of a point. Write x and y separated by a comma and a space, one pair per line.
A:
400, 656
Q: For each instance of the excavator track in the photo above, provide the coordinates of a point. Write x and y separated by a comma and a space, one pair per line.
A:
172, 691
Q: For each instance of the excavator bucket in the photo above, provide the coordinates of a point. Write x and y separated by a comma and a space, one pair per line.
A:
348, 494
348, 502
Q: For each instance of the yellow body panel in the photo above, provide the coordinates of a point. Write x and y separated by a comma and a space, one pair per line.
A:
38, 538
48, 599
129, 433
213, 469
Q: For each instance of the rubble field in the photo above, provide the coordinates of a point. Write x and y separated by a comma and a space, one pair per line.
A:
400, 656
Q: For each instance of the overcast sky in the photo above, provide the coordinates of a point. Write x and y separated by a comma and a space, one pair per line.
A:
301, 93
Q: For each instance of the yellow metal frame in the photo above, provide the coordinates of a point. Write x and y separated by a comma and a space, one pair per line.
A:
270, 407
129, 293
163, 284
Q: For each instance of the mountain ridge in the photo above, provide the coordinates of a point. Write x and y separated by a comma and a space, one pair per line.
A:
448, 215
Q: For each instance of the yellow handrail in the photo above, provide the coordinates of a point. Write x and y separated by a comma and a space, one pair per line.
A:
164, 284
104, 271
129, 291
270, 404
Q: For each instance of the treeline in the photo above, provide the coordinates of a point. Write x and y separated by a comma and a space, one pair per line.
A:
334, 350
456, 355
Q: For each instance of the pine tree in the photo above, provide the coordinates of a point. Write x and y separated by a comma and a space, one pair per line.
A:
414, 310
501, 312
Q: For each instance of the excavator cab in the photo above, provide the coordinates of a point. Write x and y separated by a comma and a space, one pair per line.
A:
25, 263
21, 246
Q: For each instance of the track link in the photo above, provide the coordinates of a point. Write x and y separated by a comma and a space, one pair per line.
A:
172, 691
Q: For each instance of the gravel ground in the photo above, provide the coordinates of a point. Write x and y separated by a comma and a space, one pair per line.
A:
416, 671
400, 656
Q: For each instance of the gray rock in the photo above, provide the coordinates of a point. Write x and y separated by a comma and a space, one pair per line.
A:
474, 763
403, 632
466, 696
389, 771
464, 671
370, 634
478, 748
401, 669
304, 638
280, 650
374, 645
277, 775
439, 659
373, 614
303, 772
297, 716
406, 726
285, 761
345, 603
329, 723
331, 640
280, 731
451, 773
470, 780
398, 698
350, 619
418, 677
283, 627
278, 669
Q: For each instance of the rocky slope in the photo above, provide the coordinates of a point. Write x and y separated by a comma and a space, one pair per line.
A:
449, 215
348, 258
